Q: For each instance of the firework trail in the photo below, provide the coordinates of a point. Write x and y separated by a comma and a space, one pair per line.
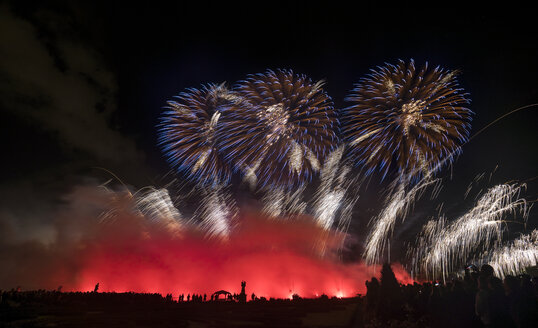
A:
187, 133
280, 202
274, 202
406, 118
397, 205
333, 197
217, 212
214, 216
443, 247
156, 206
514, 258
153, 204
327, 206
280, 129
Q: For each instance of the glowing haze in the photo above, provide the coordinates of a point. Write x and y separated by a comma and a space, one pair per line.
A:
126, 250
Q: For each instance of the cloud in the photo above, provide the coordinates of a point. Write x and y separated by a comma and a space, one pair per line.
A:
61, 85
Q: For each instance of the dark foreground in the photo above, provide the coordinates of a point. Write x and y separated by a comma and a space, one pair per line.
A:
478, 300
54, 309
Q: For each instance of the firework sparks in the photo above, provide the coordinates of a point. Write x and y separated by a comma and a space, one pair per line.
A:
214, 216
156, 205
332, 196
406, 118
397, 205
327, 207
281, 130
217, 212
514, 258
280, 202
442, 246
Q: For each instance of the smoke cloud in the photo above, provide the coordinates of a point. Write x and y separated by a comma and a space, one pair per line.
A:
125, 250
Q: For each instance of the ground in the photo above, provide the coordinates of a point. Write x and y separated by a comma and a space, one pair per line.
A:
276, 313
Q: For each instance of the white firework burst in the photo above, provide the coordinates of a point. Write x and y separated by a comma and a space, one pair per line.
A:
397, 205
443, 247
514, 258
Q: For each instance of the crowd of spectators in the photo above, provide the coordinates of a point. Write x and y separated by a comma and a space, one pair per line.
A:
479, 299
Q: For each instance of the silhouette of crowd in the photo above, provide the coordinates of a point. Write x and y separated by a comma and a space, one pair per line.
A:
16, 295
95, 308
479, 299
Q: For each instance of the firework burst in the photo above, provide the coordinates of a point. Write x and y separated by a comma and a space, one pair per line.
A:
280, 130
406, 118
187, 133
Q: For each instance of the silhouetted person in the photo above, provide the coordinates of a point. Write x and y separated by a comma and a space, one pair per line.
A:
96, 288
372, 295
511, 290
188, 297
499, 305
243, 296
486, 270
528, 305
436, 306
461, 306
390, 297
483, 301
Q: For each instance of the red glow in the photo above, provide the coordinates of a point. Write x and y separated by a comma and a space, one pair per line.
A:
277, 258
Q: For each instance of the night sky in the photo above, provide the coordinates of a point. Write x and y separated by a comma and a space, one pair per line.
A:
82, 85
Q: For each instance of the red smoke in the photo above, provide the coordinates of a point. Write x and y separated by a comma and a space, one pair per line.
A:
277, 258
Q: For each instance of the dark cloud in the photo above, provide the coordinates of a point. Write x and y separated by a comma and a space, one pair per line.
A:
74, 99
57, 100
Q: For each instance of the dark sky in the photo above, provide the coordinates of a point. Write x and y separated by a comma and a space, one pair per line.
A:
82, 84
